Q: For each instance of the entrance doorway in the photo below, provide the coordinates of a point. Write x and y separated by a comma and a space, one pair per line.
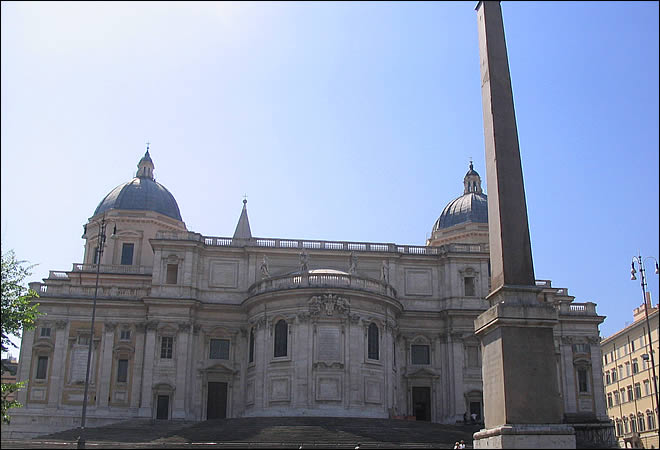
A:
475, 412
163, 407
216, 404
421, 397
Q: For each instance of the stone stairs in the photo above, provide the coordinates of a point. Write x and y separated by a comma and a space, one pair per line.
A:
261, 432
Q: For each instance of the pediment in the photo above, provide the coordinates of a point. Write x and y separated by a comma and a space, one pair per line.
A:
220, 368
423, 373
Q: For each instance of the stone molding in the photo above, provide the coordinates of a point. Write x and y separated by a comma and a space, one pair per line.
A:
328, 304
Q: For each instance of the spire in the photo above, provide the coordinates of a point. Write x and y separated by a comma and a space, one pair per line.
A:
243, 227
472, 181
146, 166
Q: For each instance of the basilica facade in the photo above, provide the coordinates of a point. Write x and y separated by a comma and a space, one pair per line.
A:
198, 327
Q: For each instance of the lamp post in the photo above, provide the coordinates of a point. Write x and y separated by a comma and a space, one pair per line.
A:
99, 253
642, 281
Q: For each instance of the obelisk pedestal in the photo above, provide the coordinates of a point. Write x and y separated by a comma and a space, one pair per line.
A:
522, 403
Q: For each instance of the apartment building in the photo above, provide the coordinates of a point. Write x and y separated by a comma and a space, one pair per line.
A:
628, 377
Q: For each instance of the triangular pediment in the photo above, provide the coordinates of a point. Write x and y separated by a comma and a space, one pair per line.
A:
424, 372
219, 368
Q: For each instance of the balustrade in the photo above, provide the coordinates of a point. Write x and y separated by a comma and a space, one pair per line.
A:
314, 280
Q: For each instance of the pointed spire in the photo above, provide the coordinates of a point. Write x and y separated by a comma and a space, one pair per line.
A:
243, 227
472, 181
146, 166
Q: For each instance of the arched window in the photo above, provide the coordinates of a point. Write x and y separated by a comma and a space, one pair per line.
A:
372, 338
619, 429
281, 332
650, 419
633, 424
640, 422
251, 358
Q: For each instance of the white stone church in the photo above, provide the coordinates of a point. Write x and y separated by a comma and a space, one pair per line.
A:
198, 327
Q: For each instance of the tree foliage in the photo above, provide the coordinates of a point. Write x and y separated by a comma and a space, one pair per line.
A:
19, 312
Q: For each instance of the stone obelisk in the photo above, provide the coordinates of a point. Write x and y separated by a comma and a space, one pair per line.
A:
522, 404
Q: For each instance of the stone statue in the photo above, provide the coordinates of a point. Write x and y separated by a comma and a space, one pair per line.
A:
352, 268
264, 268
303, 262
385, 272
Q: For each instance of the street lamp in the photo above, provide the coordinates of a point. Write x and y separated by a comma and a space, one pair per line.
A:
642, 273
99, 253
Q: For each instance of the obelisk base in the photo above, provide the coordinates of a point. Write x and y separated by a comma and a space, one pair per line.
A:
526, 436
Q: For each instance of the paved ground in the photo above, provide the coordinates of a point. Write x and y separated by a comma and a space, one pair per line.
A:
263, 432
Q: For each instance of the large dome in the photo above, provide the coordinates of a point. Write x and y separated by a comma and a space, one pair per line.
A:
141, 193
471, 207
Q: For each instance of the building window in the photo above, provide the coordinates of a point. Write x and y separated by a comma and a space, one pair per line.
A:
650, 420
627, 369
625, 425
617, 400
635, 366
633, 424
620, 372
45, 332
647, 387
83, 339
613, 375
619, 431
172, 271
219, 349
251, 354
469, 286
125, 335
632, 346
583, 380
95, 257
630, 394
609, 400
127, 254
281, 336
42, 368
420, 354
623, 395
166, 344
581, 348
607, 378
640, 422
372, 342
122, 371
638, 390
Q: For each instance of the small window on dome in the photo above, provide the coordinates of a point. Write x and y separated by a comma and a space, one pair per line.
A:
127, 254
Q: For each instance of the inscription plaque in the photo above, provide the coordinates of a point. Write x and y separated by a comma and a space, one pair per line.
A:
328, 344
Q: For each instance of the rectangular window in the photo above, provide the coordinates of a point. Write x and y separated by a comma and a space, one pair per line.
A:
617, 399
127, 254
469, 286
583, 380
166, 344
45, 332
613, 375
581, 348
172, 271
630, 394
620, 372
122, 371
609, 400
420, 354
125, 335
638, 390
632, 346
42, 367
623, 395
83, 340
627, 369
635, 366
647, 387
605, 358
96, 256
219, 349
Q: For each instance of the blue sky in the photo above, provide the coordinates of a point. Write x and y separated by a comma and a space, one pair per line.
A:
340, 121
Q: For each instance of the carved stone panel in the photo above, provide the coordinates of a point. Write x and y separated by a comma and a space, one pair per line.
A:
418, 282
328, 344
280, 389
224, 274
329, 388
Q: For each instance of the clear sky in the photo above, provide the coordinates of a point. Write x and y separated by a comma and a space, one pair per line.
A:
340, 121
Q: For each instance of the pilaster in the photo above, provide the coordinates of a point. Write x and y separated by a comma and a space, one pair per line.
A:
148, 371
179, 410
59, 355
106, 364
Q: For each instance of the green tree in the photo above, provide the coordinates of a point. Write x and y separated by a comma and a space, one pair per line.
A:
18, 313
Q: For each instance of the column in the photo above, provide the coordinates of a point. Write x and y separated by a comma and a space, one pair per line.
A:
148, 370
24, 364
138, 364
57, 369
597, 378
179, 410
457, 363
106, 364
